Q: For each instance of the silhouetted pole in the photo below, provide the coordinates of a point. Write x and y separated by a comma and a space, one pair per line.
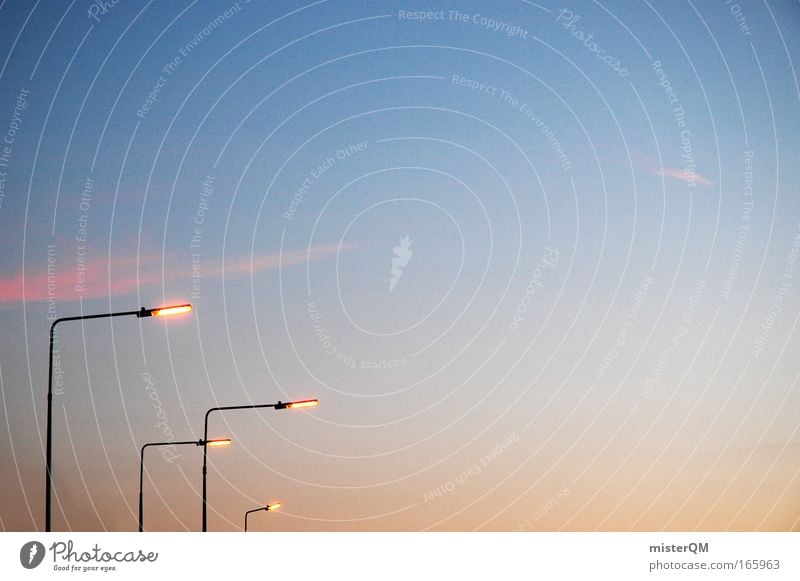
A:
159, 312
278, 406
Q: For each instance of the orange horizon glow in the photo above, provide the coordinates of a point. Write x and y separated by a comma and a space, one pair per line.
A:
174, 310
305, 403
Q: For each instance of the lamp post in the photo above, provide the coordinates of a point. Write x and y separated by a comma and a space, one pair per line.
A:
273, 506
278, 406
159, 312
220, 442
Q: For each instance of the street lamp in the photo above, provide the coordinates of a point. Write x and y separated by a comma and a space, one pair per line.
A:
303, 403
220, 442
159, 312
278, 406
273, 506
165, 311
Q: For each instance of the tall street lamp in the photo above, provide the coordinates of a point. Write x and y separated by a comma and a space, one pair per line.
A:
273, 506
278, 406
219, 442
159, 312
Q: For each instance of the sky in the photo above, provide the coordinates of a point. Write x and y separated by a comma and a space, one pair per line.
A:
538, 262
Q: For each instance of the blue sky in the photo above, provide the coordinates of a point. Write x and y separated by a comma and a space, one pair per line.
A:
594, 327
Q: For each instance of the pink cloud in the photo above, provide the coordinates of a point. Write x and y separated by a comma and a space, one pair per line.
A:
70, 284
246, 264
683, 175
94, 279
650, 166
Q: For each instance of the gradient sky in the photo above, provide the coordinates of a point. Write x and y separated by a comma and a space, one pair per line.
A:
592, 325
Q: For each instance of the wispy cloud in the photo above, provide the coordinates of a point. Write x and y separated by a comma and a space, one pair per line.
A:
126, 274
258, 262
650, 166
683, 175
